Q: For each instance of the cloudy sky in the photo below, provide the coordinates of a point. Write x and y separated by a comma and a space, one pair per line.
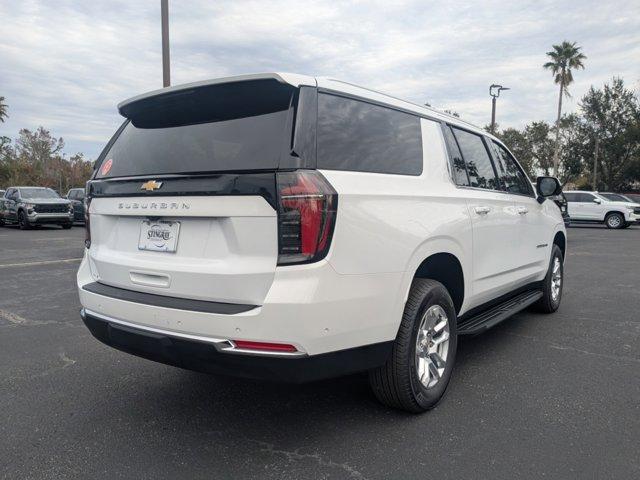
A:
66, 64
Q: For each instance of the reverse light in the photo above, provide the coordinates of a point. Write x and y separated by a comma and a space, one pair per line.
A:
307, 206
264, 346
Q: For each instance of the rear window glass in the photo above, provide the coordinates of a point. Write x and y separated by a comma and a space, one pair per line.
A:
358, 136
228, 127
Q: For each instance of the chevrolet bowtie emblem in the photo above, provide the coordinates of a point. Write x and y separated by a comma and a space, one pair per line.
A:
151, 185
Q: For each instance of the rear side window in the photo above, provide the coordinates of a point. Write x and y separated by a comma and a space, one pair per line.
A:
571, 197
358, 136
226, 127
512, 178
476, 157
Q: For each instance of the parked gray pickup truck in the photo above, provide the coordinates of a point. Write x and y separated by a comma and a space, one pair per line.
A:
31, 206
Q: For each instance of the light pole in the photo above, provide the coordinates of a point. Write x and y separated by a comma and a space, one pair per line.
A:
164, 14
494, 91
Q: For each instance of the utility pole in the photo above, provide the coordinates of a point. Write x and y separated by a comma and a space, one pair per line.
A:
595, 166
494, 91
164, 13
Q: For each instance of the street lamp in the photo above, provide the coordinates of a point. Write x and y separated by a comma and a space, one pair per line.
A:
494, 91
164, 20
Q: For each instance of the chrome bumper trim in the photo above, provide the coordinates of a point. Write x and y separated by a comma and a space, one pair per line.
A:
223, 345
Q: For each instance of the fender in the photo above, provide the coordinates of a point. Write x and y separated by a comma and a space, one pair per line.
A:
434, 245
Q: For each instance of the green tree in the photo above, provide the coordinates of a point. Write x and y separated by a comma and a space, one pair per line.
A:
38, 147
538, 135
564, 58
612, 115
518, 143
36, 158
574, 151
3, 110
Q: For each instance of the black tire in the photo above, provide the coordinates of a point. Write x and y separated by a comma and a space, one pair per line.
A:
396, 384
614, 220
626, 225
67, 226
549, 304
23, 223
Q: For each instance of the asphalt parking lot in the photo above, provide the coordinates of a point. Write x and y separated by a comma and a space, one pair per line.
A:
553, 396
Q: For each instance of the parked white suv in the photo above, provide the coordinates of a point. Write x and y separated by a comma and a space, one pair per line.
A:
591, 207
291, 228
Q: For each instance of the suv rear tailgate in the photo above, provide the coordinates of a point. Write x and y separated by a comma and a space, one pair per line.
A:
226, 250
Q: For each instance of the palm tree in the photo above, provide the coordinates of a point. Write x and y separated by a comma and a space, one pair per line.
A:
3, 110
564, 58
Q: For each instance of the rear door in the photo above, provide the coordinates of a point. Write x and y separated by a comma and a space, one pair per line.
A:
495, 238
183, 201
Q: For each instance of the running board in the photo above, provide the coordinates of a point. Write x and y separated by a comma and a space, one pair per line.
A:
490, 318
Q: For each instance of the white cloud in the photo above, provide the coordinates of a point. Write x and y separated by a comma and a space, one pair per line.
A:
66, 64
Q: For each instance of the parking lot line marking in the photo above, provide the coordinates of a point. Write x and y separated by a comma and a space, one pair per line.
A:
45, 262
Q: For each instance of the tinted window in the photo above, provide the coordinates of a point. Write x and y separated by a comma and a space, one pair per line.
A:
587, 197
458, 168
571, 197
512, 178
476, 157
359, 136
579, 197
236, 126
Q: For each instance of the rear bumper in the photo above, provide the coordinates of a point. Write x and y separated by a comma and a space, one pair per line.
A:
209, 355
311, 307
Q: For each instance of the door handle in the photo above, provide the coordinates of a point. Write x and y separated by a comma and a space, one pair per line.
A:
482, 210
522, 210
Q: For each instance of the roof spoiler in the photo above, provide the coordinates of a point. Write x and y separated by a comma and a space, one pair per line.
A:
128, 107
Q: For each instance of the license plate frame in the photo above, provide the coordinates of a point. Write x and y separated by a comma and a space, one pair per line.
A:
159, 236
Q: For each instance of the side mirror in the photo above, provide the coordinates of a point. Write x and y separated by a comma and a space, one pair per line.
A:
547, 187
597, 200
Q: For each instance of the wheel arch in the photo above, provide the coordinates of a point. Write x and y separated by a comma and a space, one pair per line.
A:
561, 240
609, 212
444, 267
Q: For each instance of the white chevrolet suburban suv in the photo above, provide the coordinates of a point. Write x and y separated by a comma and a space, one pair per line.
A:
592, 207
294, 228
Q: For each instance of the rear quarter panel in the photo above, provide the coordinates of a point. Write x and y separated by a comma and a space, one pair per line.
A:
391, 223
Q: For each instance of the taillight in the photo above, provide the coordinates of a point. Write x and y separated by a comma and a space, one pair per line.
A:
307, 206
87, 218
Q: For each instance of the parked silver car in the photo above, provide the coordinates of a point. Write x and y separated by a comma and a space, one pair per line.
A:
30, 206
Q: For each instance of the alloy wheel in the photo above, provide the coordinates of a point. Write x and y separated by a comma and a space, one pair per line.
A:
614, 221
432, 346
556, 279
